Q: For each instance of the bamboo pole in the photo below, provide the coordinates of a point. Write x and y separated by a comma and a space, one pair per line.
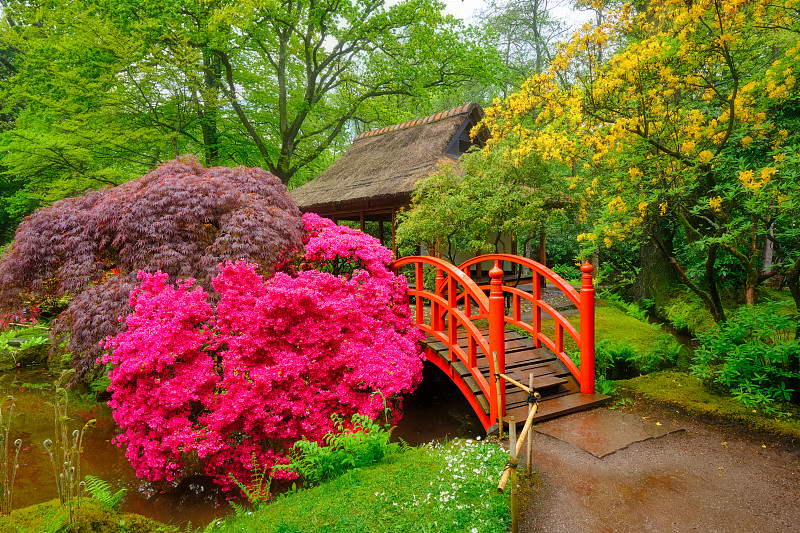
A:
530, 408
512, 439
515, 382
499, 397
528, 423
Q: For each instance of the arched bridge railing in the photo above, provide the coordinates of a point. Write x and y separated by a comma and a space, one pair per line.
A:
583, 301
448, 309
446, 321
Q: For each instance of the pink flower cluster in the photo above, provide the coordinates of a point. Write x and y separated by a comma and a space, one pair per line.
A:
340, 249
231, 388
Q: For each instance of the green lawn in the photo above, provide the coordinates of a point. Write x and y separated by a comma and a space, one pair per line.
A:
613, 324
450, 488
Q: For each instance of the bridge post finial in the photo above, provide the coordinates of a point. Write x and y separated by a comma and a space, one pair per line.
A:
497, 328
587, 329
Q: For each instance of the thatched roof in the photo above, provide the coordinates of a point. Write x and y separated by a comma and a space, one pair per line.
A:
382, 166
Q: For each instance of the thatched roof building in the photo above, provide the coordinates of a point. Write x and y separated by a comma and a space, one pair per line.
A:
376, 176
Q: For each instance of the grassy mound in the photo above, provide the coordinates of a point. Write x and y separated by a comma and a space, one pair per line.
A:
444, 489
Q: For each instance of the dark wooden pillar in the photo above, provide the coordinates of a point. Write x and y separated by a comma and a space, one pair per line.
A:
542, 252
394, 232
542, 247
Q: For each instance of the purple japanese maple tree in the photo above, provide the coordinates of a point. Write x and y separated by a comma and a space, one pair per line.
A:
181, 219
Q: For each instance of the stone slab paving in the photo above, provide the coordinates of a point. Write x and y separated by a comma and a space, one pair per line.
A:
705, 478
602, 432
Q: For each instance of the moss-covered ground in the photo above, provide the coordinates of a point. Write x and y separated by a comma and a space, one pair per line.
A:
697, 399
93, 517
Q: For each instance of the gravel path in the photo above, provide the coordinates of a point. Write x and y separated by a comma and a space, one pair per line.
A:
705, 478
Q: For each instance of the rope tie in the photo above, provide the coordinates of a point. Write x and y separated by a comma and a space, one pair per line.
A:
533, 397
511, 464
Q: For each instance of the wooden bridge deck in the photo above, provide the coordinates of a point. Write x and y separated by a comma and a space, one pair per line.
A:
560, 391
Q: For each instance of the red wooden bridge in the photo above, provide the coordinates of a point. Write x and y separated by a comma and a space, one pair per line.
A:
469, 331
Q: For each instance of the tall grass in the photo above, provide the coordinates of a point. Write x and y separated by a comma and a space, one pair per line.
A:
9, 457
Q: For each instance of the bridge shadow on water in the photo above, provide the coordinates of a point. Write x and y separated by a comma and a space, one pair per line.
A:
436, 410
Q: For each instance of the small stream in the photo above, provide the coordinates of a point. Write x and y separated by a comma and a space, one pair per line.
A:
436, 410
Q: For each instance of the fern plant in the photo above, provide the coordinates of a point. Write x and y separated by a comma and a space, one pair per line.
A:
9, 458
100, 490
356, 444
257, 491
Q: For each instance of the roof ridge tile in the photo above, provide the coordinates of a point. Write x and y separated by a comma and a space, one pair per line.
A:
441, 115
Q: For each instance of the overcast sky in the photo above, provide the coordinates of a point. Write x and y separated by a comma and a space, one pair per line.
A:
466, 9
463, 9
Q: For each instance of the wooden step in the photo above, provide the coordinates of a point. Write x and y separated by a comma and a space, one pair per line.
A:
563, 405
540, 383
559, 390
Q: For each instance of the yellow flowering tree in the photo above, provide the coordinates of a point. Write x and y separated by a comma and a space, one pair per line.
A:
684, 114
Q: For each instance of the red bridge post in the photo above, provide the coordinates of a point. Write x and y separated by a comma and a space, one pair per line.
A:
587, 329
497, 332
437, 311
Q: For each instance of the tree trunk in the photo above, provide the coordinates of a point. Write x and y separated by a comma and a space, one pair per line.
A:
656, 279
717, 311
793, 282
212, 76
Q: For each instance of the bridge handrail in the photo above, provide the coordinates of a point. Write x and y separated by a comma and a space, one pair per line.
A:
537, 267
584, 301
450, 278
474, 290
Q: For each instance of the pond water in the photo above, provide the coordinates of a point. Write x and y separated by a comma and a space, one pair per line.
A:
435, 411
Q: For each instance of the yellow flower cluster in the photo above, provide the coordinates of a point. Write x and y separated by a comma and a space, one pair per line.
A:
749, 180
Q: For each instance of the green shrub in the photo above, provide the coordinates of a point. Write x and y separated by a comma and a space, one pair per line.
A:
754, 355
18, 347
363, 443
568, 272
663, 354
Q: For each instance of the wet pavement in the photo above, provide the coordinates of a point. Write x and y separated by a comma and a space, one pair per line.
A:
652, 469
602, 432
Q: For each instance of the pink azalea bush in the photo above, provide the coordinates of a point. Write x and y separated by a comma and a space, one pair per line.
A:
228, 388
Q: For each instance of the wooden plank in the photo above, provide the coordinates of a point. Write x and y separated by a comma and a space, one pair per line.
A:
542, 382
564, 405
559, 389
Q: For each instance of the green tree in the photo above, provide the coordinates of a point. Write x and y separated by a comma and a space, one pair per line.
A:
526, 34
109, 87
467, 207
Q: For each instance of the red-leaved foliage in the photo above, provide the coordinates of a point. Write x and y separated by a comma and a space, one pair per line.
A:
229, 388
181, 219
